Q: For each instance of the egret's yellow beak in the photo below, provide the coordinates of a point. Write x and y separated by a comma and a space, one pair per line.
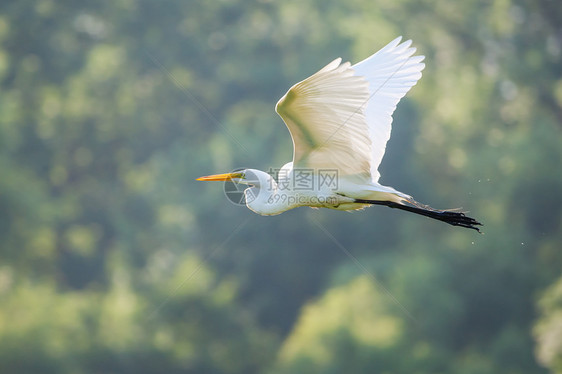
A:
221, 177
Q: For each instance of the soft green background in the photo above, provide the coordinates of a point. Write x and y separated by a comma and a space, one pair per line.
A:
113, 259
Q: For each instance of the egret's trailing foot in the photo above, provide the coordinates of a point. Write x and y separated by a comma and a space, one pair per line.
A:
452, 217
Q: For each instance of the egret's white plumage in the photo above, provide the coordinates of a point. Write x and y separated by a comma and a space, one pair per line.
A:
340, 119
341, 116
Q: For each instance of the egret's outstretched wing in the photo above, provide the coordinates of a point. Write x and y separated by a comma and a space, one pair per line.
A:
341, 116
325, 115
391, 72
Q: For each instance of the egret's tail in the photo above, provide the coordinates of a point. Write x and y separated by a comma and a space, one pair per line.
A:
452, 217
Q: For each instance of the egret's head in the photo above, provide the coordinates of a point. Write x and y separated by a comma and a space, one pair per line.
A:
257, 196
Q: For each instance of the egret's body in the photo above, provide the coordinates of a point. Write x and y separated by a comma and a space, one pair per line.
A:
340, 121
283, 194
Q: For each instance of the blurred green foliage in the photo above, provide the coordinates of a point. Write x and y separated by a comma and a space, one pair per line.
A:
113, 259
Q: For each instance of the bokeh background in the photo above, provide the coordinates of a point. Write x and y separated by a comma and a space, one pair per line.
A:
113, 259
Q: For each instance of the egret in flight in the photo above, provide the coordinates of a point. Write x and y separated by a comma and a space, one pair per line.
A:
340, 121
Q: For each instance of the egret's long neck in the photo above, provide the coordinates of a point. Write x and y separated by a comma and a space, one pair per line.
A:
268, 199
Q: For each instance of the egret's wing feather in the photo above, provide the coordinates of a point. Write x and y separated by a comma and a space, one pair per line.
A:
341, 116
325, 115
391, 72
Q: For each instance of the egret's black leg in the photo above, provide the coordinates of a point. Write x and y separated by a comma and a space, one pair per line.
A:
451, 217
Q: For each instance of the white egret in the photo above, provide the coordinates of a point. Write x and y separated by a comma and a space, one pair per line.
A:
340, 121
